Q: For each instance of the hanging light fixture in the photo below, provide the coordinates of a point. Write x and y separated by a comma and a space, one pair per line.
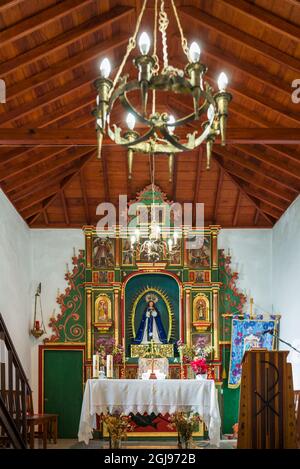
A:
154, 244
38, 328
160, 136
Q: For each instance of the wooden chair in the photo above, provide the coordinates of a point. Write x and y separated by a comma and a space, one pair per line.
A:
297, 410
47, 423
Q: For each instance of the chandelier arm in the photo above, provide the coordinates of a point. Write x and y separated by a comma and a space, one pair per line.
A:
172, 140
140, 139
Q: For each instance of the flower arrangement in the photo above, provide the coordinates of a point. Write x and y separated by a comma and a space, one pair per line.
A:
199, 366
117, 427
107, 346
185, 426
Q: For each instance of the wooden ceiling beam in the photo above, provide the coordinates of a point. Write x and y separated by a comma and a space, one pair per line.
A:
39, 196
265, 18
105, 177
84, 197
218, 194
29, 189
240, 188
39, 20
199, 17
75, 34
66, 65
5, 4
252, 178
237, 208
265, 197
63, 185
49, 119
44, 100
86, 137
256, 217
250, 165
288, 168
45, 170
65, 207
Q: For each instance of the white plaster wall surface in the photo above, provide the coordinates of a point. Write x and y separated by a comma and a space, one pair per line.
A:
51, 251
286, 279
250, 251
15, 279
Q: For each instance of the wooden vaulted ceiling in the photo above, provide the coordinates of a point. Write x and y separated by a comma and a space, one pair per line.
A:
49, 57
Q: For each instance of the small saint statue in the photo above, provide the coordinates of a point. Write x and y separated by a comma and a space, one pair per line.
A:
151, 328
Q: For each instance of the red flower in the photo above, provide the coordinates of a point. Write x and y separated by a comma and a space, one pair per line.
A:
199, 366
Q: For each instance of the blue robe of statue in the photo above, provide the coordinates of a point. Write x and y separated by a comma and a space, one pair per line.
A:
159, 327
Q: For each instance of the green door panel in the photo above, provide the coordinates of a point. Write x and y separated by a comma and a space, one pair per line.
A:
63, 388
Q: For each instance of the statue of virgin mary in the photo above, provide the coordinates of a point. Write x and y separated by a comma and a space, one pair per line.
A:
151, 327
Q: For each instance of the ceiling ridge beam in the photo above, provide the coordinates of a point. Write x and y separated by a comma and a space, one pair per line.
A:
65, 39
247, 40
66, 65
40, 19
266, 18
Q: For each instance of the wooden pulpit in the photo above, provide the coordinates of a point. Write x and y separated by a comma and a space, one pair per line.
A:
267, 414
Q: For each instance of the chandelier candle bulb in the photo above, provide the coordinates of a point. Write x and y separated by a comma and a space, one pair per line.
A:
194, 52
105, 68
144, 43
130, 121
222, 81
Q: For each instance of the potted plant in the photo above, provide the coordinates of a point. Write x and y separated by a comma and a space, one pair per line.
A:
199, 367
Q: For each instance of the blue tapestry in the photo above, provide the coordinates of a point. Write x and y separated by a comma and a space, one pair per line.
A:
247, 334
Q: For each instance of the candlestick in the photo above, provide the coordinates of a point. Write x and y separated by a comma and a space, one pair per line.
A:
96, 366
109, 366
67, 267
74, 252
58, 292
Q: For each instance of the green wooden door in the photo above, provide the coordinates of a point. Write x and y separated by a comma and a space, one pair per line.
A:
63, 389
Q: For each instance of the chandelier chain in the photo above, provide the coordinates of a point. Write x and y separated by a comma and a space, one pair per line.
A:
131, 45
163, 25
184, 43
155, 57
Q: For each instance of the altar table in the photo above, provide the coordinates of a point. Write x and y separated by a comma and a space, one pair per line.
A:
103, 396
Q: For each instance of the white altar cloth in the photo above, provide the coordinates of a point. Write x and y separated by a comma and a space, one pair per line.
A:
158, 396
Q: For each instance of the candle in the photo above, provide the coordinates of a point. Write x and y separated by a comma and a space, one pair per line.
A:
37, 325
95, 366
109, 366
74, 252
67, 267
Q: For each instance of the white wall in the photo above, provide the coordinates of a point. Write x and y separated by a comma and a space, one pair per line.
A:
251, 253
15, 279
51, 251
286, 279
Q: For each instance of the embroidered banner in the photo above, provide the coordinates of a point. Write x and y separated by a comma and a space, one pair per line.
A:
247, 334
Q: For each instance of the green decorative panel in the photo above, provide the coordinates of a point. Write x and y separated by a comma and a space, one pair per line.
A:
69, 325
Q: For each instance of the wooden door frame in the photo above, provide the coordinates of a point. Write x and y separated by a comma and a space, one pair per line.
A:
46, 347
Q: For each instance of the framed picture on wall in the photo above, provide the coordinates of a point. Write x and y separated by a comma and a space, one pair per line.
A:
202, 339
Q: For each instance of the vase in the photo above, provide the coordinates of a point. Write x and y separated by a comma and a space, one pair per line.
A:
201, 376
115, 443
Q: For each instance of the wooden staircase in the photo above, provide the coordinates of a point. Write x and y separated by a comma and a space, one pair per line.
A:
14, 392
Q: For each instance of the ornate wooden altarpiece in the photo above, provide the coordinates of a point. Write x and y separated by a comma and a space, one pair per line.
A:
109, 284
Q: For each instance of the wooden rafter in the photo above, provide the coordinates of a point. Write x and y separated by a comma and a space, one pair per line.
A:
256, 217
218, 194
240, 37
259, 169
84, 197
237, 208
252, 178
66, 65
265, 18
86, 137
39, 20
51, 46
253, 202
63, 185
105, 177
65, 207
5, 4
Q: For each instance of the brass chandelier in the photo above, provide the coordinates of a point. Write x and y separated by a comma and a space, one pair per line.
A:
210, 109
